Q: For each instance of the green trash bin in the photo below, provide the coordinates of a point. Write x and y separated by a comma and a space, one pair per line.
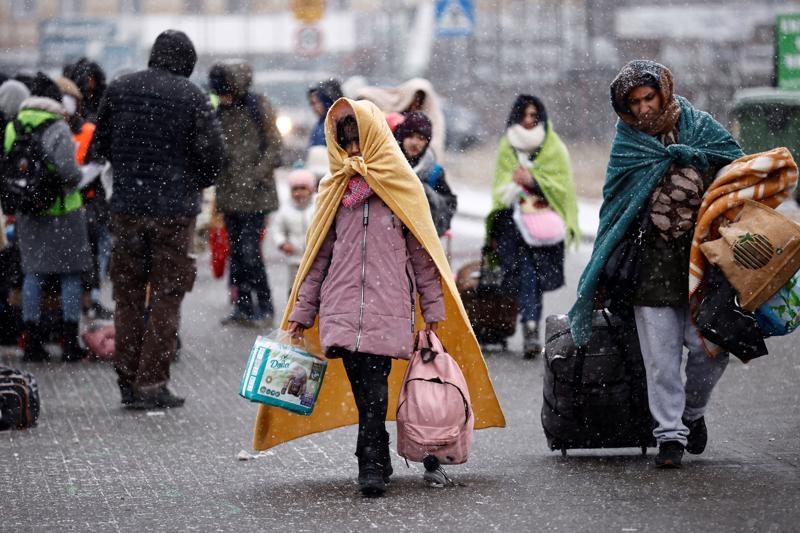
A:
766, 118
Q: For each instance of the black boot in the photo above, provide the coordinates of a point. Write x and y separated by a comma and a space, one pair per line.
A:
34, 349
530, 340
386, 462
72, 349
370, 474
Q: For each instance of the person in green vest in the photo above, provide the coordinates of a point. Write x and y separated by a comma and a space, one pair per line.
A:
55, 241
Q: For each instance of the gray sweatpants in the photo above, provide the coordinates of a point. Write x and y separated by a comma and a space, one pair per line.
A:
663, 332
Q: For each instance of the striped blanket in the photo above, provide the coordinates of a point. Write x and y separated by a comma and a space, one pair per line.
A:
767, 177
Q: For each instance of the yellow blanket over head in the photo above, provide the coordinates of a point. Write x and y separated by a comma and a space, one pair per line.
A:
389, 175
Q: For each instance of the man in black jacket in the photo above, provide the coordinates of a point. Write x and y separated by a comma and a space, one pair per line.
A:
165, 145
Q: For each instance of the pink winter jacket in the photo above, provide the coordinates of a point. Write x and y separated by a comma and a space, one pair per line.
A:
382, 268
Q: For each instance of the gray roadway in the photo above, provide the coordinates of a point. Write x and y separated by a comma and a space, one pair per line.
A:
92, 466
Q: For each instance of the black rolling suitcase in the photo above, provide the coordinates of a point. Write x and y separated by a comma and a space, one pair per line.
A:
492, 310
595, 396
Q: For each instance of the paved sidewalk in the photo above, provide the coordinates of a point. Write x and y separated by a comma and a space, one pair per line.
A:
92, 466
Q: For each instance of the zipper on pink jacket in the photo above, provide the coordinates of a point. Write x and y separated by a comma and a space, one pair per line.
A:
365, 221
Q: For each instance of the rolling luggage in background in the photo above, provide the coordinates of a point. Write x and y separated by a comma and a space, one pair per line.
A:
595, 396
19, 399
492, 310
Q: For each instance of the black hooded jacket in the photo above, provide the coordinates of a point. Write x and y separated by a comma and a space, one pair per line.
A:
160, 134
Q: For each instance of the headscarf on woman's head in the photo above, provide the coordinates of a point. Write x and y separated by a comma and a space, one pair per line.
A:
647, 73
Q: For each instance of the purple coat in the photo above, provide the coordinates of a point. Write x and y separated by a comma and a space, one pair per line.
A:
377, 263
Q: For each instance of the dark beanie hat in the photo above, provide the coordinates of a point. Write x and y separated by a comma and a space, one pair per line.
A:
43, 85
415, 122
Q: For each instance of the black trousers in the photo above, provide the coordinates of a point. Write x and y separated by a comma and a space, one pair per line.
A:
248, 273
369, 379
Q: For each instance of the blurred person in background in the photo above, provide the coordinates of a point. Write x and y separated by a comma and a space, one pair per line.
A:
162, 138
246, 191
293, 219
53, 242
12, 94
91, 81
321, 97
414, 137
416, 94
97, 209
532, 167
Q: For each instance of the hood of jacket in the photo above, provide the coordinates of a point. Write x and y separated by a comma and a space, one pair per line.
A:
174, 52
328, 91
12, 94
42, 103
234, 78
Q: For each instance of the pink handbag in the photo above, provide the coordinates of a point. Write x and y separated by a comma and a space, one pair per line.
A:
100, 341
539, 226
434, 413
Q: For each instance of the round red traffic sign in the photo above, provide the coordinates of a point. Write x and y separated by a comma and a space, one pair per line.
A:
308, 40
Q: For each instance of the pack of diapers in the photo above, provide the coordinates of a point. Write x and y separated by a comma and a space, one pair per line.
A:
282, 374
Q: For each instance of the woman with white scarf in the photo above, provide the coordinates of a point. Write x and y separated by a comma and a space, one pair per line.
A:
534, 211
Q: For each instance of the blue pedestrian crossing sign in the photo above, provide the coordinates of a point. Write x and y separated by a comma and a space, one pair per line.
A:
455, 18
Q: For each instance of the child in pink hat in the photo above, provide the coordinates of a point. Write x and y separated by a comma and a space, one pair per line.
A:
293, 219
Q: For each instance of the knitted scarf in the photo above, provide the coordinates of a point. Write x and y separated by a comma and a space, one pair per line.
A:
356, 193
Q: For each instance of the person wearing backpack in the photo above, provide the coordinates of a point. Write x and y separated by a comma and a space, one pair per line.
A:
361, 286
246, 192
53, 241
372, 259
414, 136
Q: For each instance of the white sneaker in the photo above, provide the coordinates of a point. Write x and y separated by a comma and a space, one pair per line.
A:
437, 478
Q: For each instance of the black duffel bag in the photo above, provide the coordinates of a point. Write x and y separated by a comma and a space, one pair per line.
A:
722, 321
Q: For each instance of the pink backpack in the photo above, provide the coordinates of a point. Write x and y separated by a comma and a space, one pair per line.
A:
434, 413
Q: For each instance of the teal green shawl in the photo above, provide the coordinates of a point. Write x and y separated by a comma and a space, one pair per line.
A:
553, 173
638, 162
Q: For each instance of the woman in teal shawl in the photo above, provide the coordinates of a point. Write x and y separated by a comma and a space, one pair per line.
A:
532, 165
665, 153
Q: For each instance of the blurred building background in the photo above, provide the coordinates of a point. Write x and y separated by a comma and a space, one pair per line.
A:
567, 51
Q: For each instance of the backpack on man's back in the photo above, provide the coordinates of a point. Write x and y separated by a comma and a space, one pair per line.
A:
30, 183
